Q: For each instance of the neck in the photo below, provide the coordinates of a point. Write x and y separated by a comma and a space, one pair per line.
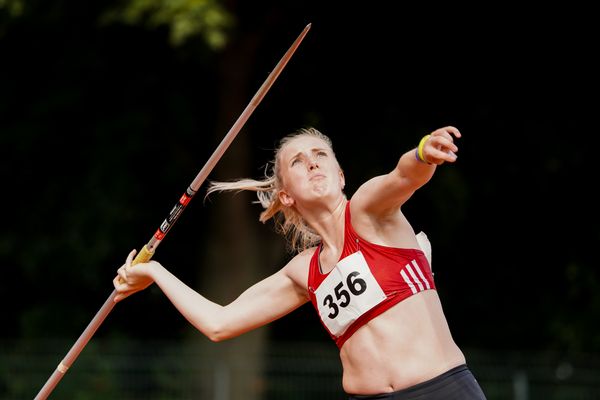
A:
328, 221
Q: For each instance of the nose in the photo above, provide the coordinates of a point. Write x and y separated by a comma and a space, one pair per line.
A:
313, 164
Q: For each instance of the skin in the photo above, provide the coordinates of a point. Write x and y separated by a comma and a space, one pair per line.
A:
407, 344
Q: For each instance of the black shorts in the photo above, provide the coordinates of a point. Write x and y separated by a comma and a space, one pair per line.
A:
457, 383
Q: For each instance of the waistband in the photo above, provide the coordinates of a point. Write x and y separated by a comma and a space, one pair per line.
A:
423, 387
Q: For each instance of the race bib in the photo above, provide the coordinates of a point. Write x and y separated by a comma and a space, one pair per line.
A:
349, 291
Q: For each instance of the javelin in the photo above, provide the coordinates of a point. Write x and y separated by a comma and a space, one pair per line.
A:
148, 250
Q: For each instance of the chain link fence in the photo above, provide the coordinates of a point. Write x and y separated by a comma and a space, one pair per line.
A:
157, 370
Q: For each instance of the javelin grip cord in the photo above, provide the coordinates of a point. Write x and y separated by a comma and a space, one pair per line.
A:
148, 250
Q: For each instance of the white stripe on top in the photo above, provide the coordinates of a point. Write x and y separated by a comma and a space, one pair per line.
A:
408, 281
416, 280
414, 276
414, 263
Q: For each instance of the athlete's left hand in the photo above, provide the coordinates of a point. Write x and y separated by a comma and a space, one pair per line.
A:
440, 146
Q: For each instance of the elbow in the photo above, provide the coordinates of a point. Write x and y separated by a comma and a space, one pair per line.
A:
212, 325
216, 337
217, 333
218, 326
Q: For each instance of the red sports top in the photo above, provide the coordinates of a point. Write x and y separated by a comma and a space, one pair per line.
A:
367, 280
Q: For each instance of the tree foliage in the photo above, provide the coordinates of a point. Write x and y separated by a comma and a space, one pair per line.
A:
184, 18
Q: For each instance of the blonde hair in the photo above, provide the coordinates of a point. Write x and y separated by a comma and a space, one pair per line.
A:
288, 221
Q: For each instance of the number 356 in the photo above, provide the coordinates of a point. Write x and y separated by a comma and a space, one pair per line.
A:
355, 285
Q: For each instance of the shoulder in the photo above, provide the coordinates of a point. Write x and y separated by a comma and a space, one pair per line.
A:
368, 197
302, 259
387, 227
297, 268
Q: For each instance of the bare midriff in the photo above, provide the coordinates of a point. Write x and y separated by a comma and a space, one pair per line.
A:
408, 344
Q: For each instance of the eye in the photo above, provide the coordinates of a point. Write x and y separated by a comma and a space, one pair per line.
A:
295, 161
321, 154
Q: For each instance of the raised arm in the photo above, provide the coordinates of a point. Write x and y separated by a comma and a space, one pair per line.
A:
267, 300
386, 193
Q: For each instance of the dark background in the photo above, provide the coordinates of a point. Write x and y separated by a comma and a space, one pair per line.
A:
104, 125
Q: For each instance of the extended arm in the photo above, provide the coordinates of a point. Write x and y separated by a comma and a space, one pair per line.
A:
267, 300
384, 194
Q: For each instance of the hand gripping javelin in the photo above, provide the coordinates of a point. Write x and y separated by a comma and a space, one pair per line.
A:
148, 250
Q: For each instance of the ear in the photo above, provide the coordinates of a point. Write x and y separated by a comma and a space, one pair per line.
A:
342, 179
285, 198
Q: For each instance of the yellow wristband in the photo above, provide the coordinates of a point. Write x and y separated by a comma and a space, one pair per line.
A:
419, 154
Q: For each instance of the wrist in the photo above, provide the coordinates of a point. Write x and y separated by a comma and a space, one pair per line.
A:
419, 155
153, 269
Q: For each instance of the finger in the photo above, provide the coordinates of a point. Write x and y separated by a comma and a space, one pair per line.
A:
119, 284
453, 131
442, 155
442, 133
130, 257
122, 295
443, 143
122, 272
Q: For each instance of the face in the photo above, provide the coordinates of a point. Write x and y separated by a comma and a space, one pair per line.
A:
309, 171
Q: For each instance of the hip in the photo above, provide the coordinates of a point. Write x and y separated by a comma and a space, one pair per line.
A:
457, 383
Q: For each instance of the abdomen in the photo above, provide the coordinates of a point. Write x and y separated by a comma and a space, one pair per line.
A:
407, 344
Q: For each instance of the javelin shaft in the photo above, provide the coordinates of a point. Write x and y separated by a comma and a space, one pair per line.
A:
216, 156
148, 250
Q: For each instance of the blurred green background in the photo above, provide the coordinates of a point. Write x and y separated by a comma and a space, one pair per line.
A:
108, 110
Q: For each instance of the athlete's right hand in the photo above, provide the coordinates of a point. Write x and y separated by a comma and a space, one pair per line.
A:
131, 279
